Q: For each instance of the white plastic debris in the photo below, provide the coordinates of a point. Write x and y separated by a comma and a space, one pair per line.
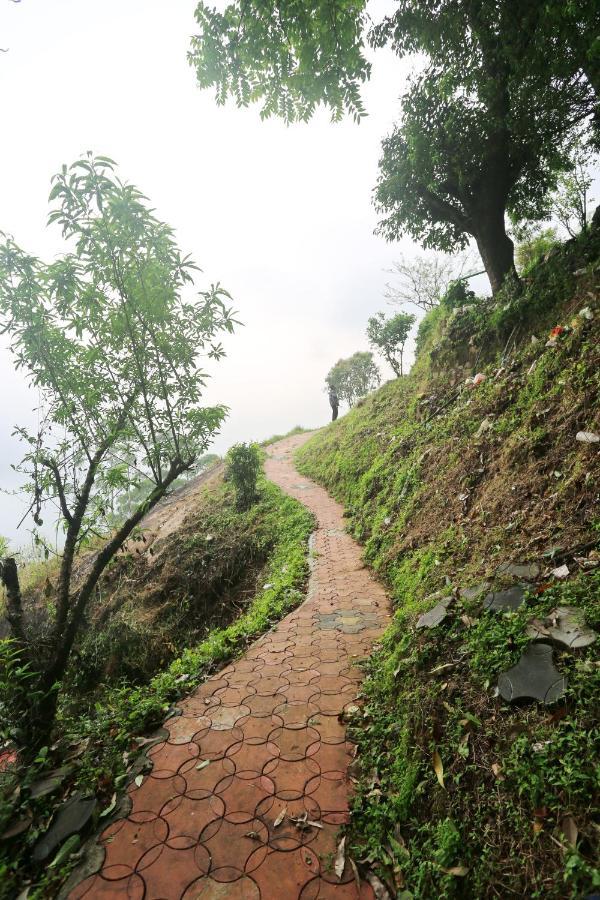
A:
586, 313
561, 572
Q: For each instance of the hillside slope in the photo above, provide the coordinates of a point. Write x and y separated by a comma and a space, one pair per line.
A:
450, 485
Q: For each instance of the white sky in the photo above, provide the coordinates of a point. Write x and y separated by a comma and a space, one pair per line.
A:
282, 217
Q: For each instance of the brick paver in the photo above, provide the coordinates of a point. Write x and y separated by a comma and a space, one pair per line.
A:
246, 797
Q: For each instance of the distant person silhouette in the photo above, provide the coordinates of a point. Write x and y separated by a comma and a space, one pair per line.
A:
334, 403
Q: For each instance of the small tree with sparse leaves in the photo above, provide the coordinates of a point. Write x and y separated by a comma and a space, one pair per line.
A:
388, 337
111, 335
571, 203
422, 281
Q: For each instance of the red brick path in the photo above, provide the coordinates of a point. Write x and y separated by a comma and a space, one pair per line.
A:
261, 738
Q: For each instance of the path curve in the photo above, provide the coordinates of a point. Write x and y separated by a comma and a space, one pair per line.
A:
259, 742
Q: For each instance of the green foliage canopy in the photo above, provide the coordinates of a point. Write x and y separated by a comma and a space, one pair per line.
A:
288, 56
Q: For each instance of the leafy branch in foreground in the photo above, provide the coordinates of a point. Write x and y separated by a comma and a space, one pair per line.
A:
110, 334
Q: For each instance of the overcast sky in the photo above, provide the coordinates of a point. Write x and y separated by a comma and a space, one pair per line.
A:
281, 216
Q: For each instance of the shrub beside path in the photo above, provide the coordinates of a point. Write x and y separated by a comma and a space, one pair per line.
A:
259, 752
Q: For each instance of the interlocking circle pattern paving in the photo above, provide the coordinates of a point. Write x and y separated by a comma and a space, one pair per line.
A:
260, 750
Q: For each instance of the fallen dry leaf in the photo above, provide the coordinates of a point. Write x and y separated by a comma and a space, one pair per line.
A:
340, 858
379, 889
438, 767
356, 876
497, 770
280, 817
459, 871
443, 668
569, 830
399, 878
302, 823
254, 836
142, 741
110, 807
17, 827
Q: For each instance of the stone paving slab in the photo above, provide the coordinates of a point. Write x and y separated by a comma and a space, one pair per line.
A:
260, 749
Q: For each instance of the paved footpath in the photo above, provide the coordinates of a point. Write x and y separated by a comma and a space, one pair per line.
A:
260, 750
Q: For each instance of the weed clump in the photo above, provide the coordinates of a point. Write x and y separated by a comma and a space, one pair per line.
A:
242, 468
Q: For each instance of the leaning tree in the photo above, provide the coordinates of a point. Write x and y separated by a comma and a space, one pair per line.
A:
111, 336
510, 79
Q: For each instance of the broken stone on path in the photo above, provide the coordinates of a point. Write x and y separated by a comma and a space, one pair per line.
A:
565, 626
506, 601
348, 621
529, 571
71, 818
534, 677
436, 615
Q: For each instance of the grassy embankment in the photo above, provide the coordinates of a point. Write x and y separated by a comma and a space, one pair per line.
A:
443, 483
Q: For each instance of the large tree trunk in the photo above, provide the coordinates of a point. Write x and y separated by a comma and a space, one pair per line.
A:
495, 247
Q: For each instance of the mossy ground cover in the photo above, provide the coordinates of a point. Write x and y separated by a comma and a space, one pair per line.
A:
97, 730
442, 483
